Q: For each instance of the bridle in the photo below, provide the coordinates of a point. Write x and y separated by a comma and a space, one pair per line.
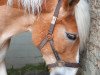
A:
49, 39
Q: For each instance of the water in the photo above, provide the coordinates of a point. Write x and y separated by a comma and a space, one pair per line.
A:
22, 51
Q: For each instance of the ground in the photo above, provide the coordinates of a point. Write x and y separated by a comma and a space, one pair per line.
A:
37, 69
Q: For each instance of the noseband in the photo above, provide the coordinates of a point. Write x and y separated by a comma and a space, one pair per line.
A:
49, 39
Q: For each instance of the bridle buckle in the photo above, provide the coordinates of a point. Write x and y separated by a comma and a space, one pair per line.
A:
49, 37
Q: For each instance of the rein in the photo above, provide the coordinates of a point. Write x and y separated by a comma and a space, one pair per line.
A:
49, 39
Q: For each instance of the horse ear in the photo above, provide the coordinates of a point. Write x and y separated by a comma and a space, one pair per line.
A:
72, 2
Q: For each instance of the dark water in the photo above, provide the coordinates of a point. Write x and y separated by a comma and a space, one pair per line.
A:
22, 51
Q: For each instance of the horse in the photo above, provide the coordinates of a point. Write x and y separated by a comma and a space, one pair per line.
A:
60, 29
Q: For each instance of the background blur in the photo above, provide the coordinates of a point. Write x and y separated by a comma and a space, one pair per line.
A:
22, 51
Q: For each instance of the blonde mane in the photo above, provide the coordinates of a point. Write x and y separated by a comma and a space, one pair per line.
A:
33, 5
82, 16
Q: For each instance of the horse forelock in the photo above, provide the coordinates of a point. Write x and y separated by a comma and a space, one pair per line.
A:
29, 5
82, 16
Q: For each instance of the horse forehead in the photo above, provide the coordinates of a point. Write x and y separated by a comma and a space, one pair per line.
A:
71, 27
67, 20
68, 26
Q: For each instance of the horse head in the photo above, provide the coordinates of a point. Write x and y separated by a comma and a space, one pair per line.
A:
68, 34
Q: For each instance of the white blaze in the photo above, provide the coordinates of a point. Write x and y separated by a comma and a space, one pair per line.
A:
65, 70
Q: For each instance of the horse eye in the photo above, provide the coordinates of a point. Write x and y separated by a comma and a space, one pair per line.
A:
71, 36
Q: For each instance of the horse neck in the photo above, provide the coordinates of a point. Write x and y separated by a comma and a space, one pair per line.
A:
2, 2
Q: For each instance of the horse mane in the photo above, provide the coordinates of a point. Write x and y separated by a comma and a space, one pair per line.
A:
29, 5
82, 16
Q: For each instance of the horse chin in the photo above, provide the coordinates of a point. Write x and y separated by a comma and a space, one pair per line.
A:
63, 71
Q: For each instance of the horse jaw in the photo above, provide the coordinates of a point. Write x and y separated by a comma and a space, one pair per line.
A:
65, 70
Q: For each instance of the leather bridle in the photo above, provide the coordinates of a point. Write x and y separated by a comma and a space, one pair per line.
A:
49, 39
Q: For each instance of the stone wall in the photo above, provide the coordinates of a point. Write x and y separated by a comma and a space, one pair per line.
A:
91, 57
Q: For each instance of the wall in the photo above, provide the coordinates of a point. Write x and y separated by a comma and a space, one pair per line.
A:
91, 57
22, 51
